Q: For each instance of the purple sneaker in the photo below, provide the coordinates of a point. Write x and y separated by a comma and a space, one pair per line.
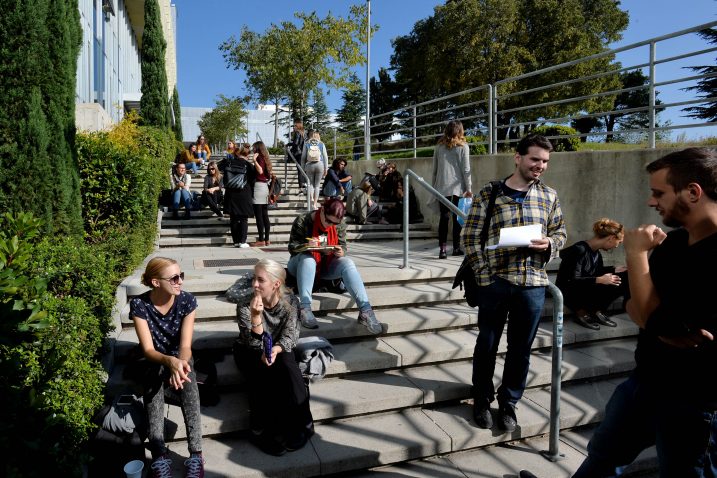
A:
368, 319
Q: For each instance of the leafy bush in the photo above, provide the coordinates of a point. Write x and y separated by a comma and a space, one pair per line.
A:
76, 269
123, 172
559, 144
50, 380
477, 144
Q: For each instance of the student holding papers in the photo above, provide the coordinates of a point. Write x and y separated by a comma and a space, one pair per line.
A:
511, 279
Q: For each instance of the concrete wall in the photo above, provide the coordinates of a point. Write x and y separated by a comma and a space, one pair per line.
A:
590, 185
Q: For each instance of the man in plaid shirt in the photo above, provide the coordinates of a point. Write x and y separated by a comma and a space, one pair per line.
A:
512, 280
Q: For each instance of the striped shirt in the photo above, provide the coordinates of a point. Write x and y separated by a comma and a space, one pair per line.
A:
519, 265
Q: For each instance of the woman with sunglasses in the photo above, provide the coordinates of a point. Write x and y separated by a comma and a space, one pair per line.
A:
164, 320
280, 418
212, 194
317, 245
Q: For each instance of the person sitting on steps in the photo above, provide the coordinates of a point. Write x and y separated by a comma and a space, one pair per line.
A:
181, 181
164, 321
588, 287
280, 418
317, 245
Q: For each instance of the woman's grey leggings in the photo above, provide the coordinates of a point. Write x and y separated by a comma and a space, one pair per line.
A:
315, 171
154, 404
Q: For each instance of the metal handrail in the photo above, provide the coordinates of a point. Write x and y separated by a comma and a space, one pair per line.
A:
524, 115
452, 207
309, 188
553, 452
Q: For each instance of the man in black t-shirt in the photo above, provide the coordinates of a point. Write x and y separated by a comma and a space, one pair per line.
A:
671, 397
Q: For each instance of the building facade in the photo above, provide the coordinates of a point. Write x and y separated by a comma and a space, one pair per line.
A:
259, 124
109, 77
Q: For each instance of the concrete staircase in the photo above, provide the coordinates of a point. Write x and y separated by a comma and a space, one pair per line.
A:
205, 229
397, 404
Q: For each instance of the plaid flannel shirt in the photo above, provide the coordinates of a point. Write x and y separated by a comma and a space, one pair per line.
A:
519, 265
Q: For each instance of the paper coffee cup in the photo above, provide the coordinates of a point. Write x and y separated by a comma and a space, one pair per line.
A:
133, 469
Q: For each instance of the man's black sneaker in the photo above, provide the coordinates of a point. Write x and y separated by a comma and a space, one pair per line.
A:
457, 251
586, 321
603, 319
482, 416
506, 417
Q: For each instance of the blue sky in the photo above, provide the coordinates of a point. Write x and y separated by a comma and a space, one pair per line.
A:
204, 24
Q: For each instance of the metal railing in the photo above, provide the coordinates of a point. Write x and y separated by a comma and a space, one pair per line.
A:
497, 114
553, 452
309, 187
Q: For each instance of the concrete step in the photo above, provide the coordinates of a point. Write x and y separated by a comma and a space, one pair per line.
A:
217, 307
506, 459
284, 238
366, 442
418, 387
220, 335
221, 227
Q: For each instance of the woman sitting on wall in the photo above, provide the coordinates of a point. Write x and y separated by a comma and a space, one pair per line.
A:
280, 418
317, 245
338, 180
588, 287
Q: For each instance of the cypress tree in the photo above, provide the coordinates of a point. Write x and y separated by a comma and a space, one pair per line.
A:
177, 115
38, 172
155, 99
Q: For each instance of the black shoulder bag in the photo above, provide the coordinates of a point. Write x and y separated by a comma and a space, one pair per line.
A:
465, 277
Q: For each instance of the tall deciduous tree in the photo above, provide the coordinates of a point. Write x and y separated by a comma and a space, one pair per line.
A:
263, 59
155, 94
467, 43
38, 166
706, 86
225, 121
301, 55
177, 115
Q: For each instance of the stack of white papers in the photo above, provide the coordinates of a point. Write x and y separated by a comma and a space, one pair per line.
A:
519, 236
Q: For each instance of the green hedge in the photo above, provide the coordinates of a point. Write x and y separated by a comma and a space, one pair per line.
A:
50, 379
123, 172
560, 144
57, 296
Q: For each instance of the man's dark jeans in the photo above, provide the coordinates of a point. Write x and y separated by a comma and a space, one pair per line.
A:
498, 301
637, 417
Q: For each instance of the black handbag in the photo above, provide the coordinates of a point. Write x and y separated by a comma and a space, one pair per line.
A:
236, 174
465, 277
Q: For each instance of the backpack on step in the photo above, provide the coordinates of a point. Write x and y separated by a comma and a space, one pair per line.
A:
314, 152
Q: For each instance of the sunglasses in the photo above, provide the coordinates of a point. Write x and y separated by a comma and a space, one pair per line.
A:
211, 169
174, 280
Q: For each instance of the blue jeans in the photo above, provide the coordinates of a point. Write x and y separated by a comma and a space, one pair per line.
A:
192, 167
525, 306
639, 416
303, 267
183, 195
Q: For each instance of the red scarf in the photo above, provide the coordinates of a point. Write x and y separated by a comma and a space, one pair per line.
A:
332, 239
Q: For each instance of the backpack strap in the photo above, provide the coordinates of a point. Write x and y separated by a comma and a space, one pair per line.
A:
494, 188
